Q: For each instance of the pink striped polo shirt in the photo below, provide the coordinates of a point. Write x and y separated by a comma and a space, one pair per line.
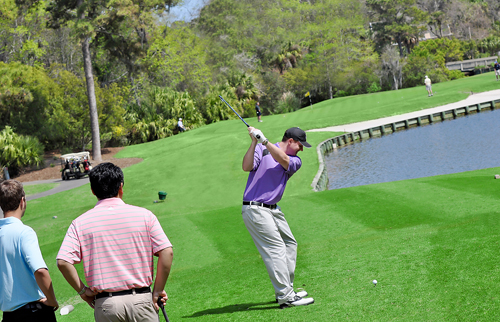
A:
116, 243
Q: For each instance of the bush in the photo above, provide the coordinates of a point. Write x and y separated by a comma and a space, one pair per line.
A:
214, 110
374, 87
249, 109
287, 103
341, 93
19, 151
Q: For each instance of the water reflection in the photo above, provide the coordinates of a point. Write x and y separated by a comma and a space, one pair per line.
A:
464, 144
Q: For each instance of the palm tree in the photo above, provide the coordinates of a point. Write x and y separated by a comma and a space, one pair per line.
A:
19, 151
243, 86
288, 57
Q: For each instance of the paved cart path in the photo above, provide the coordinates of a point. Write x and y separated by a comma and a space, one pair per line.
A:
63, 185
471, 100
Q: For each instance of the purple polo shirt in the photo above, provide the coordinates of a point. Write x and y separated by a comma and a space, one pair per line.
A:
266, 182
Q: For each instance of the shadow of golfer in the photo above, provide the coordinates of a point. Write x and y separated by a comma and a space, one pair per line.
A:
235, 308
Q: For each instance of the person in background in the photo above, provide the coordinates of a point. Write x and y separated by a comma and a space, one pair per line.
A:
428, 85
257, 110
497, 70
180, 126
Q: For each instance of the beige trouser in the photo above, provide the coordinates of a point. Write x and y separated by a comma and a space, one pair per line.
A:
277, 247
126, 308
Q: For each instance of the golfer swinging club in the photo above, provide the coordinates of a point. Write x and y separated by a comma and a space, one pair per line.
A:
270, 166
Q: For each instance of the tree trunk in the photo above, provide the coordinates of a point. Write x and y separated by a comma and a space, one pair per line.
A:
134, 89
400, 45
94, 119
330, 89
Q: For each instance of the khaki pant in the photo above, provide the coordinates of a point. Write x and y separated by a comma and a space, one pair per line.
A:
277, 247
126, 308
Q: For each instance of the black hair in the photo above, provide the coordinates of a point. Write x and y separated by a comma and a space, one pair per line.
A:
105, 180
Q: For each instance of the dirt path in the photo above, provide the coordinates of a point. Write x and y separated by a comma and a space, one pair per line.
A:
53, 174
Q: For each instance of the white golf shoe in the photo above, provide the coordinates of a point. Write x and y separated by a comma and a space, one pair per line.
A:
297, 301
299, 293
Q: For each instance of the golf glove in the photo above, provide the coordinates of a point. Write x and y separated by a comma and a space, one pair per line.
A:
259, 136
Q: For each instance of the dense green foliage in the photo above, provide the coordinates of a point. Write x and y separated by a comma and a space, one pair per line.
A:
18, 151
149, 72
51, 104
429, 58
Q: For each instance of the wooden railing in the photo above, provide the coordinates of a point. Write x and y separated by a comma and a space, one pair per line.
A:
468, 65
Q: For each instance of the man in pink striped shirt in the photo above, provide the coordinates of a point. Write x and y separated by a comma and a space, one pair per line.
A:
116, 243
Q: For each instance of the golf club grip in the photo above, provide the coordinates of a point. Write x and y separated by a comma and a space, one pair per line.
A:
162, 307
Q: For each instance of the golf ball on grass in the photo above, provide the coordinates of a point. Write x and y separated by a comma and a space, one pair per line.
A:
374, 282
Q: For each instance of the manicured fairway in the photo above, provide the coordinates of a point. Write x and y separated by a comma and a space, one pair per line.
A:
432, 243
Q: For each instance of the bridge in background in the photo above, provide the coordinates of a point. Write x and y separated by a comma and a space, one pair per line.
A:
470, 65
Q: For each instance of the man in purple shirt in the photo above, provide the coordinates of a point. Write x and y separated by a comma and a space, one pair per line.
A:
270, 167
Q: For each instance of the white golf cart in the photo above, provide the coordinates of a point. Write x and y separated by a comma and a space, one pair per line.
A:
75, 165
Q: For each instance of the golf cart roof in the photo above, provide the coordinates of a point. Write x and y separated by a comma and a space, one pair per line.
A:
78, 155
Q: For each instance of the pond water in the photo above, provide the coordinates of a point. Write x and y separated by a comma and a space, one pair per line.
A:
463, 144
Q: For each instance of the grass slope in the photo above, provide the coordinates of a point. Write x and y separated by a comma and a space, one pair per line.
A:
432, 243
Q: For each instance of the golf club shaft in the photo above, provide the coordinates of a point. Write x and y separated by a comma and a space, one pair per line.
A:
162, 307
234, 111
258, 136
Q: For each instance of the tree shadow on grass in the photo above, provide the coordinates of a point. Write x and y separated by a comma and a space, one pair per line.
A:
235, 308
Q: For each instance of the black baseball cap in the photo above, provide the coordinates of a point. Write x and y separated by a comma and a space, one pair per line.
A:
298, 135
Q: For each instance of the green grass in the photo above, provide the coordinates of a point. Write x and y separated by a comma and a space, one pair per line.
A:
432, 243
37, 188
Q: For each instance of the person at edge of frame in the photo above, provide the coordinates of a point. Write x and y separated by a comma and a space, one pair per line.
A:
116, 243
497, 70
270, 166
26, 291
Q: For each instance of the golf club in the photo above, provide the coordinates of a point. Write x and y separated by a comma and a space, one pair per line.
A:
162, 307
258, 136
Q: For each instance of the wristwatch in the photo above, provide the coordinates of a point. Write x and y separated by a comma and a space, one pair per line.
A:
83, 290
265, 142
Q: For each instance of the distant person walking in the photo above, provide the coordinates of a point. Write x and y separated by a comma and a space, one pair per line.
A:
428, 85
180, 126
116, 243
257, 110
26, 292
497, 70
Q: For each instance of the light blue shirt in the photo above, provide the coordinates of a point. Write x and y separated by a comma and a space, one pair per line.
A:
20, 258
